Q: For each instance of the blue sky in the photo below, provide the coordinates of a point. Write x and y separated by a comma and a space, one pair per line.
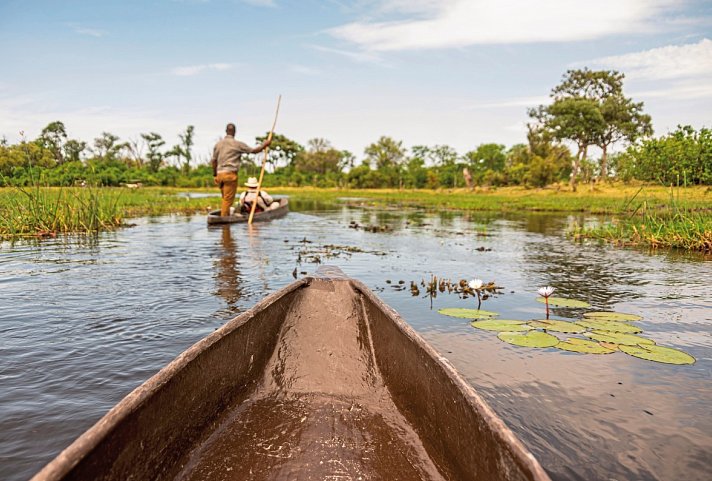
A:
456, 72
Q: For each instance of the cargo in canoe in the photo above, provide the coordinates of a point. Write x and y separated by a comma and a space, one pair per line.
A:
320, 380
214, 217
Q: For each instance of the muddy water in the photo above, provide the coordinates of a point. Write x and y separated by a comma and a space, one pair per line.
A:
84, 321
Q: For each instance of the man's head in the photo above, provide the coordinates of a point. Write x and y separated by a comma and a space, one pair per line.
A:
230, 129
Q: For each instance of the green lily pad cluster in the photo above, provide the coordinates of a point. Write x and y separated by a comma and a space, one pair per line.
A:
603, 332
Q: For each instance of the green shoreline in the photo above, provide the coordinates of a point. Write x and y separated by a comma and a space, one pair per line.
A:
652, 216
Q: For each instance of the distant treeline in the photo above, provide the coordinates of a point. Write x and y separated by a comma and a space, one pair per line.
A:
588, 110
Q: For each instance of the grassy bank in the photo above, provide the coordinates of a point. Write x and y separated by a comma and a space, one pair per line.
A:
651, 215
609, 199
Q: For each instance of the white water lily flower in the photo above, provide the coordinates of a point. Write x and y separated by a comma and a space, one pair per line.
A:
546, 291
475, 284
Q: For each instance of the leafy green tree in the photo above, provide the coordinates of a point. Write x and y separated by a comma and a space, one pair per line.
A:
73, 150
107, 146
385, 153
283, 150
681, 157
623, 119
575, 119
53, 137
319, 158
388, 156
153, 144
183, 150
486, 160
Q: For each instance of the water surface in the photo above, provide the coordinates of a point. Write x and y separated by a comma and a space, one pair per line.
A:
83, 321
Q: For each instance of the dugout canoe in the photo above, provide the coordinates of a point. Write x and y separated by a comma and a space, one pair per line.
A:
320, 380
214, 217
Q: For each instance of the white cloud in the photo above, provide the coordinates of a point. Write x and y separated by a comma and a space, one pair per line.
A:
191, 70
364, 57
92, 32
304, 70
459, 23
260, 3
669, 62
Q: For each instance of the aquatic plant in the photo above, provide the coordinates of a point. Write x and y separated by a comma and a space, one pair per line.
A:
476, 285
604, 332
546, 292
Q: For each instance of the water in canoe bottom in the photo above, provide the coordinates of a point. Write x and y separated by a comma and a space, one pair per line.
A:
311, 437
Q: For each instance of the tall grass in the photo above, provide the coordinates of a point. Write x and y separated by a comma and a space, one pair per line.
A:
41, 211
679, 226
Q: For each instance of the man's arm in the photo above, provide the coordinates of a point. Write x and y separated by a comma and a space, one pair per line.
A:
260, 147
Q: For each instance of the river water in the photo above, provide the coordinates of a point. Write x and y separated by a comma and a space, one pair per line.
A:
83, 321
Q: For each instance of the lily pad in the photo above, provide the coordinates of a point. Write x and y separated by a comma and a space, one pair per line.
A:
501, 325
612, 316
618, 338
666, 355
557, 326
610, 345
613, 326
563, 302
530, 339
583, 346
467, 313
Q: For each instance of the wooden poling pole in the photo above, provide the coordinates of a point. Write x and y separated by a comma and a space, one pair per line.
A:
264, 162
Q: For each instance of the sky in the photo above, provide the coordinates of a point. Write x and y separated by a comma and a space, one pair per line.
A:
426, 72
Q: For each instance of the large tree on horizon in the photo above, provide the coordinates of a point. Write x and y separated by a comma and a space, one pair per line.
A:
589, 108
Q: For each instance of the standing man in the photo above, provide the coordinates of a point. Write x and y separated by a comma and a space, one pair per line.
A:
227, 155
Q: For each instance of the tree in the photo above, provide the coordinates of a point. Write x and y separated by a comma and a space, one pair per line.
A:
319, 158
53, 137
153, 143
107, 146
487, 157
388, 157
680, 157
623, 119
283, 150
183, 150
576, 119
73, 150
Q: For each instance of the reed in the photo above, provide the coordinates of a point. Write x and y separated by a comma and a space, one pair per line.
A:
39, 211
678, 226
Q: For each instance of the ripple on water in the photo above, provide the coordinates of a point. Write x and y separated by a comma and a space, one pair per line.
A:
85, 321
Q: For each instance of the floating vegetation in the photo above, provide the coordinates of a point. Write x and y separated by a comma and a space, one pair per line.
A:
462, 287
583, 346
606, 332
370, 228
612, 316
562, 302
613, 326
530, 339
501, 325
308, 252
558, 326
467, 313
667, 355
619, 338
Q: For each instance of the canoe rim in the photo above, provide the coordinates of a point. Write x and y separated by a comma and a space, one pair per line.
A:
84, 444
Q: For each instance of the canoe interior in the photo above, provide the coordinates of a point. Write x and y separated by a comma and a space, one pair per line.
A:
319, 381
214, 217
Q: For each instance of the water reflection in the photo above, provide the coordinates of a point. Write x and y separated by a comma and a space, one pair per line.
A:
227, 273
83, 322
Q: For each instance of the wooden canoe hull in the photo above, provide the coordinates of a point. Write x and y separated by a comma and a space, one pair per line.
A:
320, 380
214, 217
